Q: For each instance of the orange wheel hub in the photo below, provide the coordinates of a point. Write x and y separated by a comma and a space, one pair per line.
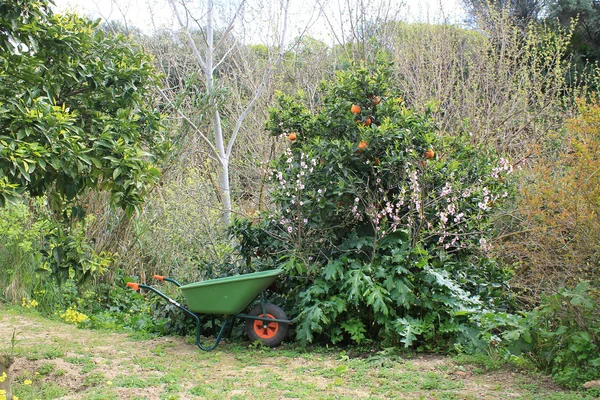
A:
265, 329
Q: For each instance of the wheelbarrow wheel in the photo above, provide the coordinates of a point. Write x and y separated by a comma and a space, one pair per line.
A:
270, 333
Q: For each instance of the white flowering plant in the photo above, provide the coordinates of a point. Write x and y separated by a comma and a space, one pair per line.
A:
382, 221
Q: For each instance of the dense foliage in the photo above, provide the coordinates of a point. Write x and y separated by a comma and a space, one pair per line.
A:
378, 217
73, 114
384, 216
74, 117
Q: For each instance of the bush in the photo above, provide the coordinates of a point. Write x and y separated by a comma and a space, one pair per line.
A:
505, 82
20, 248
561, 336
554, 239
378, 217
178, 234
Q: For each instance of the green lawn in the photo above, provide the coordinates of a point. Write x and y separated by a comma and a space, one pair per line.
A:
56, 360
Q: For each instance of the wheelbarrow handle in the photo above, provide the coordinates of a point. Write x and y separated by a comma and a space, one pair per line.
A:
165, 279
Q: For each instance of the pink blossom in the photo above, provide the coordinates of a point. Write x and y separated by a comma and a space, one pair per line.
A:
447, 189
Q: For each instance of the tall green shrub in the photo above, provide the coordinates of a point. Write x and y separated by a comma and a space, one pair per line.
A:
378, 217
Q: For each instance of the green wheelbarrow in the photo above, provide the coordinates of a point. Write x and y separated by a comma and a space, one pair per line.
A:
230, 296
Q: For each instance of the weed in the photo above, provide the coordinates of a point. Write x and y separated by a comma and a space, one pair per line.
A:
94, 379
199, 390
38, 353
130, 381
40, 390
87, 367
46, 368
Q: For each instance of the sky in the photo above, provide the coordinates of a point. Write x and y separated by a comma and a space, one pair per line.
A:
262, 15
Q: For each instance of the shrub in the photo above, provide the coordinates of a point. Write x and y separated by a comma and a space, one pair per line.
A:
177, 234
506, 82
561, 336
20, 247
554, 239
378, 217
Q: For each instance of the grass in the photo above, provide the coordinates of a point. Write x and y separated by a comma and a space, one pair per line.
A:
104, 365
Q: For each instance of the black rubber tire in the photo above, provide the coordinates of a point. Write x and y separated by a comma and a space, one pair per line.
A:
280, 330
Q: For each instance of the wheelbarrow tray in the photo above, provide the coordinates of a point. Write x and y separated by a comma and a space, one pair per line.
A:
229, 295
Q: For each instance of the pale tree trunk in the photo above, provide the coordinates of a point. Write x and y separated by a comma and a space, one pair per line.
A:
219, 150
217, 128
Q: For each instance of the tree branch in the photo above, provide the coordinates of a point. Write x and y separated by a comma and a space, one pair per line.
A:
230, 26
216, 156
263, 83
188, 36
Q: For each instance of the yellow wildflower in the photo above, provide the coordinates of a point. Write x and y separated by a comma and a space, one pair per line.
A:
73, 316
3, 377
27, 382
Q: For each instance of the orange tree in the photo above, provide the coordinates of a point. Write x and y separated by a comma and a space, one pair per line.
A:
76, 116
381, 221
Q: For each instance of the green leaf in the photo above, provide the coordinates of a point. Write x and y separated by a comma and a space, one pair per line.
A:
376, 296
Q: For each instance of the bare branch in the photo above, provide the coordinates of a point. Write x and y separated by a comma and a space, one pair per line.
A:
230, 26
223, 58
262, 85
188, 35
216, 156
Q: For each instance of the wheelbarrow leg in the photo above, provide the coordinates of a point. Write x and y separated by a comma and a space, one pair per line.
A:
228, 320
198, 318
230, 330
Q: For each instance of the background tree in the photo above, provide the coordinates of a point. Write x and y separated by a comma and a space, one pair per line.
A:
521, 11
210, 55
586, 38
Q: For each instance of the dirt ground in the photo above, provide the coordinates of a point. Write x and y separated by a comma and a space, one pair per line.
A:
61, 361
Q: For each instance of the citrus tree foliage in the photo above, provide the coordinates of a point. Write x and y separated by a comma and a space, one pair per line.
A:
378, 217
75, 116
74, 113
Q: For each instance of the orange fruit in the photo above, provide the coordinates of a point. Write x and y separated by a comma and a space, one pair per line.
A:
429, 154
355, 109
375, 100
368, 121
292, 136
362, 145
